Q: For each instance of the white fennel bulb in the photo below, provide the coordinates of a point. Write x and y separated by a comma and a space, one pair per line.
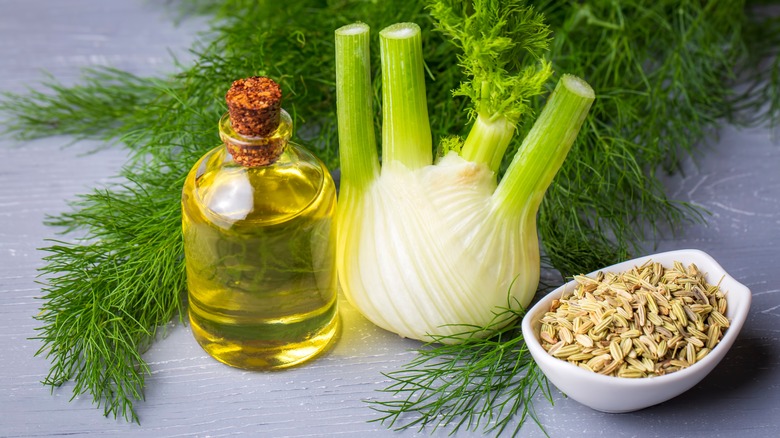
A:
425, 249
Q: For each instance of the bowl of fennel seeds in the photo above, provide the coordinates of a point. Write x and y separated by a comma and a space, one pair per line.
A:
637, 333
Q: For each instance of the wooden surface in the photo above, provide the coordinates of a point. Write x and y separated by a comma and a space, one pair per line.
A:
188, 393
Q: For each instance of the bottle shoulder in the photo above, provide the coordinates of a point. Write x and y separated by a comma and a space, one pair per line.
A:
229, 194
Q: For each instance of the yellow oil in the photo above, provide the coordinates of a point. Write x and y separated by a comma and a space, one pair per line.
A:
259, 247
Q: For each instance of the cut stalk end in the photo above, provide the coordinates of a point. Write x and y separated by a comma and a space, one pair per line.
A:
578, 86
353, 29
400, 31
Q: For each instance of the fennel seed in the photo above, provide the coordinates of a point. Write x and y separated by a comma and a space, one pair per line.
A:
644, 322
584, 340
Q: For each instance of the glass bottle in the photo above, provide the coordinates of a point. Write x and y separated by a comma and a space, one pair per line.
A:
259, 239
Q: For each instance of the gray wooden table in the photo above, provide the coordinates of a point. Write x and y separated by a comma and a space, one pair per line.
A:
188, 393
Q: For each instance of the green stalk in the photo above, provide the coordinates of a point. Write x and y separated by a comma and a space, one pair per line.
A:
487, 141
406, 132
545, 147
354, 102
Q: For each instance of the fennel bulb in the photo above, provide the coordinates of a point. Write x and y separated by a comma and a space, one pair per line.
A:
425, 248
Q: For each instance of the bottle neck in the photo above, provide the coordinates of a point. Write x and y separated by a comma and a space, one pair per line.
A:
256, 151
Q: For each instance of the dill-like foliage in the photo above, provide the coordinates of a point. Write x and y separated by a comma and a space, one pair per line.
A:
665, 74
496, 41
476, 384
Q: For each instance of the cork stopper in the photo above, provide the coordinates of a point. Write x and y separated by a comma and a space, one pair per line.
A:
254, 104
255, 115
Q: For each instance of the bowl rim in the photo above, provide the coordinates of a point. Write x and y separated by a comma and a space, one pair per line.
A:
683, 255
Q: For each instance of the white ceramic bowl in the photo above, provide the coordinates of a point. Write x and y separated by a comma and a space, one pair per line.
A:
620, 394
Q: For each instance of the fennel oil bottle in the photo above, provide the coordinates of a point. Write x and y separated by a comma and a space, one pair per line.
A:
259, 239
